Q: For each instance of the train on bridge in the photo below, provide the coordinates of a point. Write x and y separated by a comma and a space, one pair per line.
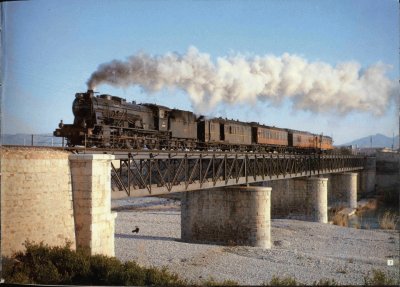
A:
111, 122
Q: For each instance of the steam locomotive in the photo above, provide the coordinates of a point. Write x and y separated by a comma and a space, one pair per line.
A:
112, 122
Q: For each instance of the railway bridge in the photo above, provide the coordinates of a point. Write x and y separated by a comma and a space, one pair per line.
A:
225, 196
144, 173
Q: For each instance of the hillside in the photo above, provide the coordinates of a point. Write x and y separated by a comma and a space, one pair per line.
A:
378, 140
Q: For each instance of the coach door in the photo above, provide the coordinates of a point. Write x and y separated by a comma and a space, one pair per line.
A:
221, 132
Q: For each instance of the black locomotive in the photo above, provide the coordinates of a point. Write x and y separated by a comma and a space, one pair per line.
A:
112, 122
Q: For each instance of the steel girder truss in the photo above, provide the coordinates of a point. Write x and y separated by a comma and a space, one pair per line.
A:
147, 173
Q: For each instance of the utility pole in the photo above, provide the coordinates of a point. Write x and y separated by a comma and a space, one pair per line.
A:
2, 64
393, 142
2, 70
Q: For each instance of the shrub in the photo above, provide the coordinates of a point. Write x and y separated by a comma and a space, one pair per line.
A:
340, 219
211, 282
378, 278
44, 265
41, 264
325, 282
162, 277
105, 270
286, 281
388, 220
133, 274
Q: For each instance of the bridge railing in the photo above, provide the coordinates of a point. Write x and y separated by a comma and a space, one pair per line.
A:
151, 173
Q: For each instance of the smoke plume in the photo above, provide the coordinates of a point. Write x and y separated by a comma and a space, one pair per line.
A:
314, 86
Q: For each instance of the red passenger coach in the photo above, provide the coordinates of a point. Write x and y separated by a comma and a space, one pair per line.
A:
326, 143
299, 139
307, 140
265, 135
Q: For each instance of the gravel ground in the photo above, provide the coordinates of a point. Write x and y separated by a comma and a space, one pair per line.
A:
307, 251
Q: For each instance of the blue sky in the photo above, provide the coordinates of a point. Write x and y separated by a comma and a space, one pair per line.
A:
52, 48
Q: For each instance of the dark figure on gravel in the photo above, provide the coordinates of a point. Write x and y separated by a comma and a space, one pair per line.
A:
136, 230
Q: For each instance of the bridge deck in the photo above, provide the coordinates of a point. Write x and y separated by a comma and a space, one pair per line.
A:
149, 172
144, 173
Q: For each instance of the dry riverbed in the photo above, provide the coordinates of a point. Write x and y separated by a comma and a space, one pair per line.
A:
306, 251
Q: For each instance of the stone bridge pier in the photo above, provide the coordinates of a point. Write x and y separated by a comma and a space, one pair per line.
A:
343, 190
229, 215
301, 198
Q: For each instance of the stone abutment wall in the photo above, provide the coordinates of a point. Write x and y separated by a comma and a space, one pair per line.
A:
53, 197
36, 198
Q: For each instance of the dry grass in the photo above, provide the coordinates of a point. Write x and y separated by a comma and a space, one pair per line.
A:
340, 219
388, 220
371, 204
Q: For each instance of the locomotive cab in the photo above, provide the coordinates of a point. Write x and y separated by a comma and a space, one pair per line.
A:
160, 115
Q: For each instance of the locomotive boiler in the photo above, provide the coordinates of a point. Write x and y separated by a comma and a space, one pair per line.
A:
111, 122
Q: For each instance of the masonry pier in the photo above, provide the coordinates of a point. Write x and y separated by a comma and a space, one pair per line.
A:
317, 187
343, 190
229, 215
91, 185
367, 178
301, 198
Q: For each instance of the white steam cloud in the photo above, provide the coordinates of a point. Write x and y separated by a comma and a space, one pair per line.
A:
315, 86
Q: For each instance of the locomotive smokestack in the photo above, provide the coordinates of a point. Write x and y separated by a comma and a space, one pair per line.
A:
90, 92
312, 86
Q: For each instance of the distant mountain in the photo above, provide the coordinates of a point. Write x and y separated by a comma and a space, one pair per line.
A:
29, 139
378, 140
